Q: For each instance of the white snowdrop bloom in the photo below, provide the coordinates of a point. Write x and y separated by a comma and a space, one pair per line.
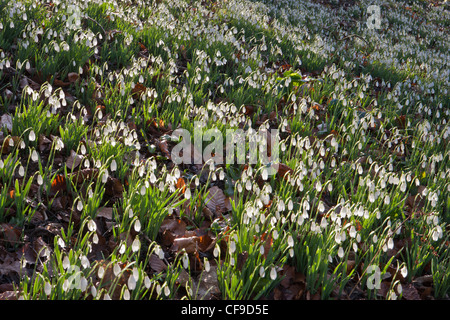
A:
34, 156
248, 185
330, 187
216, 252
126, 294
404, 271
352, 232
435, 220
83, 284
290, 241
280, 205
61, 243
262, 272
101, 272
92, 226
265, 175
21, 171
131, 282
166, 291
402, 187
116, 269
232, 247
340, 252
318, 186
66, 263
65, 285
187, 193
32, 136
122, 248
147, 282
160, 253
158, 289
137, 225
135, 245
143, 190
390, 243
207, 265
113, 165
185, 261
48, 288
399, 289
321, 207
84, 262
273, 273
374, 238
437, 233
337, 237
290, 205
79, 205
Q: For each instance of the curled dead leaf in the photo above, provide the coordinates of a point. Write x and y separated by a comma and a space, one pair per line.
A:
6, 121
105, 212
156, 263
176, 226
138, 89
283, 170
164, 147
216, 201
181, 184
58, 184
74, 160
189, 244
73, 77
9, 233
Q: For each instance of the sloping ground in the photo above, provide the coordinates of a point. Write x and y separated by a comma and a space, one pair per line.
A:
94, 205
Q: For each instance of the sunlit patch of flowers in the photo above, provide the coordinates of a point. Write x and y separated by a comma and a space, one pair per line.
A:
363, 117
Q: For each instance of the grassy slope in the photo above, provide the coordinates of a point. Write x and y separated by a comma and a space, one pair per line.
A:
87, 182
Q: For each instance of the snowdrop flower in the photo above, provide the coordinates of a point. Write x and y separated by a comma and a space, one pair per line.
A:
273, 273
92, 226
232, 247
101, 272
135, 245
32, 136
340, 252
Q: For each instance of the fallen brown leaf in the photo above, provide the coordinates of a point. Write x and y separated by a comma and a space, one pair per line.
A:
58, 184
6, 121
410, 292
9, 234
105, 212
156, 263
9, 295
176, 226
73, 77
216, 201
283, 170
74, 160
190, 244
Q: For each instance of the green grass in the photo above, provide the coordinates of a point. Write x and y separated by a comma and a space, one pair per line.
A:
88, 110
